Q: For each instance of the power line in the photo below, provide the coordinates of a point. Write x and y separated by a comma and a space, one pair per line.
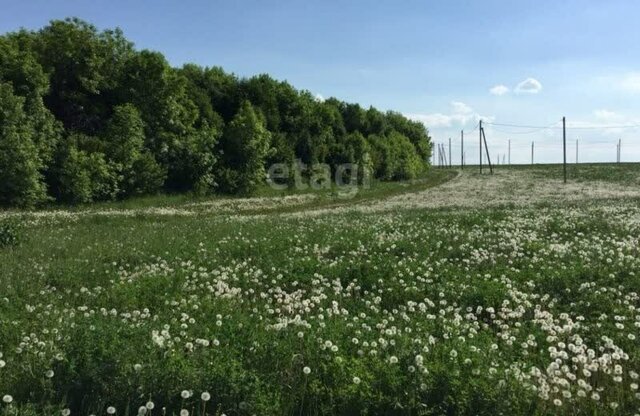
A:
553, 126
522, 125
627, 126
534, 128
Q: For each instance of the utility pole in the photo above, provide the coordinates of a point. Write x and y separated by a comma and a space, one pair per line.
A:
449, 151
532, 153
509, 151
480, 147
576, 151
619, 150
486, 148
444, 157
461, 149
564, 148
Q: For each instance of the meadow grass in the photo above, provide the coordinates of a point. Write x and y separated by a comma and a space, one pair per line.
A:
324, 307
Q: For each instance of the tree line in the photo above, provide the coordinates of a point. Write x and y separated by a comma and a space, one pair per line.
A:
84, 116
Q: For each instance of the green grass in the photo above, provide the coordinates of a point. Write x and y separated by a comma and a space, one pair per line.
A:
439, 301
325, 197
625, 173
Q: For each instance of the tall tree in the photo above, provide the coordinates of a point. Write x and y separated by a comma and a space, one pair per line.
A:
245, 144
21, 181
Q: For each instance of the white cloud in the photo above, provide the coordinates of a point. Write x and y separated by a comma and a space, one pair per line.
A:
528, 86
460, 108
631, 82
460, 115
499, 90
432, 120
607, 116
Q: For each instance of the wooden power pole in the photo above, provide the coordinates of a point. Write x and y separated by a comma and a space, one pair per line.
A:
532, 153
461, 149
564, 149
480, 147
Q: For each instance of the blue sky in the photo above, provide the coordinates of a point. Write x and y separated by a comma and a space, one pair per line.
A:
447, 63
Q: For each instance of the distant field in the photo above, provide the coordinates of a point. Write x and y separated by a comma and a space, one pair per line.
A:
459, 293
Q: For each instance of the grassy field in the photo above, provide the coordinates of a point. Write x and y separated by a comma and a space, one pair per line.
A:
456, 294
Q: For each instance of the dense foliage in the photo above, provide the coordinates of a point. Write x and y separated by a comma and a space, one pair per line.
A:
84, 116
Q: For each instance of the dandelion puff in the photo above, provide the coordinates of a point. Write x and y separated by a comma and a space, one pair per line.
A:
49, 374
184, 412
150, 405
66, 412
111, 410
142, 410
185, 394
205, 396
306, 370
7, 398
356, 380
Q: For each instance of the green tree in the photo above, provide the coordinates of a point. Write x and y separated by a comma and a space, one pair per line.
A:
21, 180
84, 67
81, 175
123, 143
245, 145
124, 136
